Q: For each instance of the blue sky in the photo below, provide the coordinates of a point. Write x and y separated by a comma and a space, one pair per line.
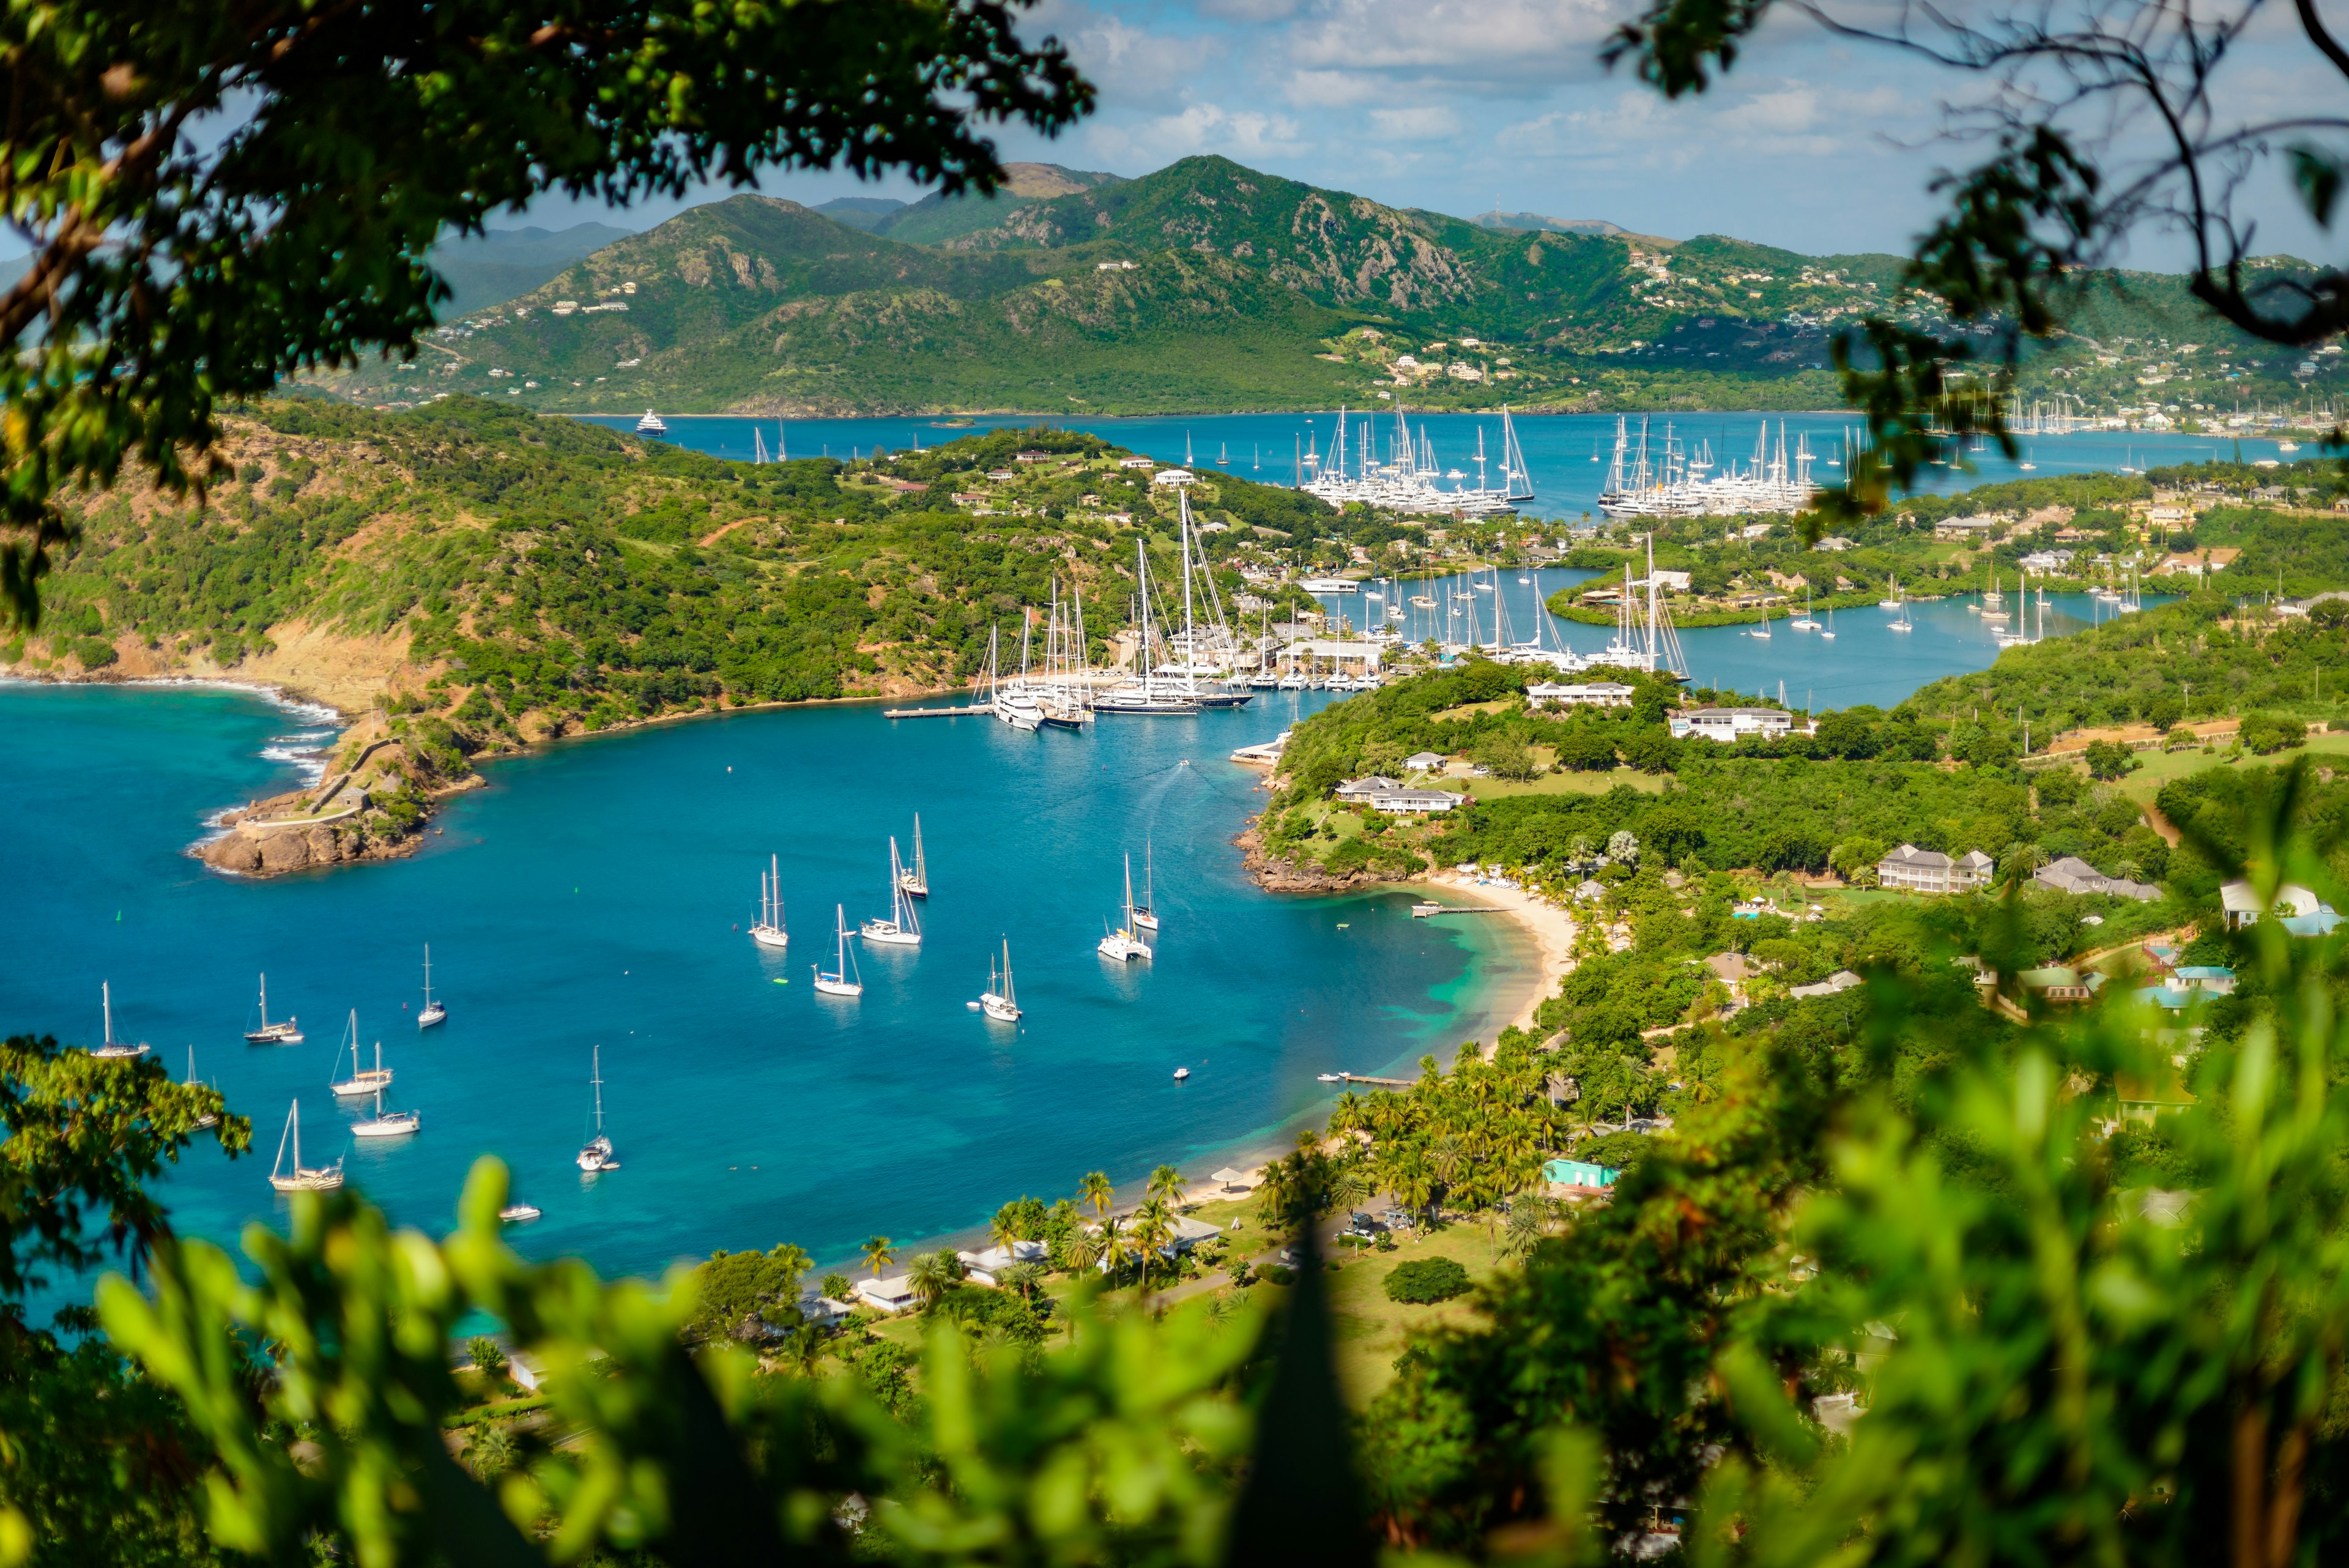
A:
1812, 143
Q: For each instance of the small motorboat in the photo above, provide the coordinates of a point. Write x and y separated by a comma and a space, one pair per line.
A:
519, 1213
1181, 1074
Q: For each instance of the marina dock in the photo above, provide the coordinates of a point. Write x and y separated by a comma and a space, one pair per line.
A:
974, 712
1421, 911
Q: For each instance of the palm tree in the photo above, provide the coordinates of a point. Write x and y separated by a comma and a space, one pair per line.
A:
803, 1348
932, 1275
1096, 1190
1347, 1115
1450, 1157
1414, 1180
1083, 1250
1025, 1279
1154, 1227
879, 1252
1528, 1222
1009, 1221
1166, 1182
1116, 1245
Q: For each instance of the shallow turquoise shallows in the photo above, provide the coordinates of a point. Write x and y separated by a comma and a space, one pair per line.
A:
598, 892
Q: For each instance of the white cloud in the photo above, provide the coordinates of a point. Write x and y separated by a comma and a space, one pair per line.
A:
1425, 123
1240, 134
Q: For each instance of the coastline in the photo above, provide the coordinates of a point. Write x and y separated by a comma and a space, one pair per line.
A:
1550, 930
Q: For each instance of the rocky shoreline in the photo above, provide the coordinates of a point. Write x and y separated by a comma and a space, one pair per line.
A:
371, 804
1282, 876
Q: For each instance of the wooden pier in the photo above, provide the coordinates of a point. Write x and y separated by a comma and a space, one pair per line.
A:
974, 712
1422, 911
1382, 1083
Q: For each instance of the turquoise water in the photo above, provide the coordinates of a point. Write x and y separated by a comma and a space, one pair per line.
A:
595, 892
1865, 662
1566, 452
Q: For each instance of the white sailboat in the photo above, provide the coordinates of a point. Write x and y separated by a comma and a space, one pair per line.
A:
769, 932
842, 981
1145, 913
284, 1033
208, 1119
901, 928
363, 1081
434, 1011
1829, 635
1903, 624
999, 1002
1763, 631
1894, 601
1805, 623
596, 1153
302, 1178
1123, 944
114, 1050
387, 1124
917, 882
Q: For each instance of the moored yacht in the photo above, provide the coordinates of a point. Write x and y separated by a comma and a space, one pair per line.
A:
114, 1050
284, 1032
434, 1011
597, 1154
843, 980
1000, 1002
302, 1178
651, 424
769, 932
900, 926
1123, 944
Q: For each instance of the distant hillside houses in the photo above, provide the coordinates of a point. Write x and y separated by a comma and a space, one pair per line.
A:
1396, 799
1914, 870
1728, 725
2075, 876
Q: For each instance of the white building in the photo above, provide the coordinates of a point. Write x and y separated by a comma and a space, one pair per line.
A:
1729, 724
1579, 694
1410, 801
1916, 870
1425, 762
1173, 476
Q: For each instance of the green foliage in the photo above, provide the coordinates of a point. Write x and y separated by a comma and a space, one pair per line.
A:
170, 271
2110, 760
1424, 1280
487, 1355
736, 1293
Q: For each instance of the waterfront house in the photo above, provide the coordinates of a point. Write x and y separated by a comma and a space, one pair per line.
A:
1425, 762
1137, 461
1728, 724
1173, 476
1579, 694
894, 1293
1365, 787
1914, 870
1404, 802
2075, 876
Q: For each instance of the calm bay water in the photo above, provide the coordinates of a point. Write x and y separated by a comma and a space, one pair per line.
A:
595, 892
1865, 662
1566, 452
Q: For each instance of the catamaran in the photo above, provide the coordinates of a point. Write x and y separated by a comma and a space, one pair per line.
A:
842, 981
769, 932
1145, 913
283, 1033
999, 1002
1123, 944
114, 1049
596, 1153
434, 1011
363, 1081
302, 1178
1806, 623
901, 928
917, 881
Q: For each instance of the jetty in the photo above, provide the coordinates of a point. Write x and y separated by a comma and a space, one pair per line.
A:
973, 712
1421, 911
1382, 1083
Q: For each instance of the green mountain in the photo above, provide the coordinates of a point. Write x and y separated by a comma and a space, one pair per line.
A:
488, 269
866, 213
1208, 285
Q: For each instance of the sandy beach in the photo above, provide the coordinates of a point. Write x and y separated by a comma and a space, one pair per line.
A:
1551, 928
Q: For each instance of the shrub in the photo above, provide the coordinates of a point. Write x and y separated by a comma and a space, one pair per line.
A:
1426, 1280
2266, 732
1277, 1274
2110, 760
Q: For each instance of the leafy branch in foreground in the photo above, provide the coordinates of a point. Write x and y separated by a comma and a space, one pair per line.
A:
2109, 118
218, 198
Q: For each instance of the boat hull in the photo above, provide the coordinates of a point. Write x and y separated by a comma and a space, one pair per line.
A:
770, 936
830, 985
274, 1035
436, 1013
399, 1124
888, 934
366, 1083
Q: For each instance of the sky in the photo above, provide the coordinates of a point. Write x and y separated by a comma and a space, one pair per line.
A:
1813, 143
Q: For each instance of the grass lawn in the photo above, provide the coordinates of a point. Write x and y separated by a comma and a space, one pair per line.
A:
1372, 1330
1568, 783
2160, 767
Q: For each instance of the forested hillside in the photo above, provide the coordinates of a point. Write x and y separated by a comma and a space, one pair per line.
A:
1209, 286
523, 577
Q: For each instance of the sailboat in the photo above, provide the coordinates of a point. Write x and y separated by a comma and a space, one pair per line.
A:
434, 1011
287, 1033
1806, 623
363, 1081
1829, 635
1223, 456
900, 928
208, 1119
1763, 631
917, 880
114, 1049
999, 1002
1894, 601
1123, 944
769, 932
1145, 913
842, 981
300, 1178
596, 1153
387, 1124
1903, 624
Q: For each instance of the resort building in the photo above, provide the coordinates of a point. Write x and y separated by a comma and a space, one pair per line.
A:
1729, 724
894, 1293
2075, 876
1408, 802
1841, 980
1579, 694
1914, 870
1365, 787
1173, 476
